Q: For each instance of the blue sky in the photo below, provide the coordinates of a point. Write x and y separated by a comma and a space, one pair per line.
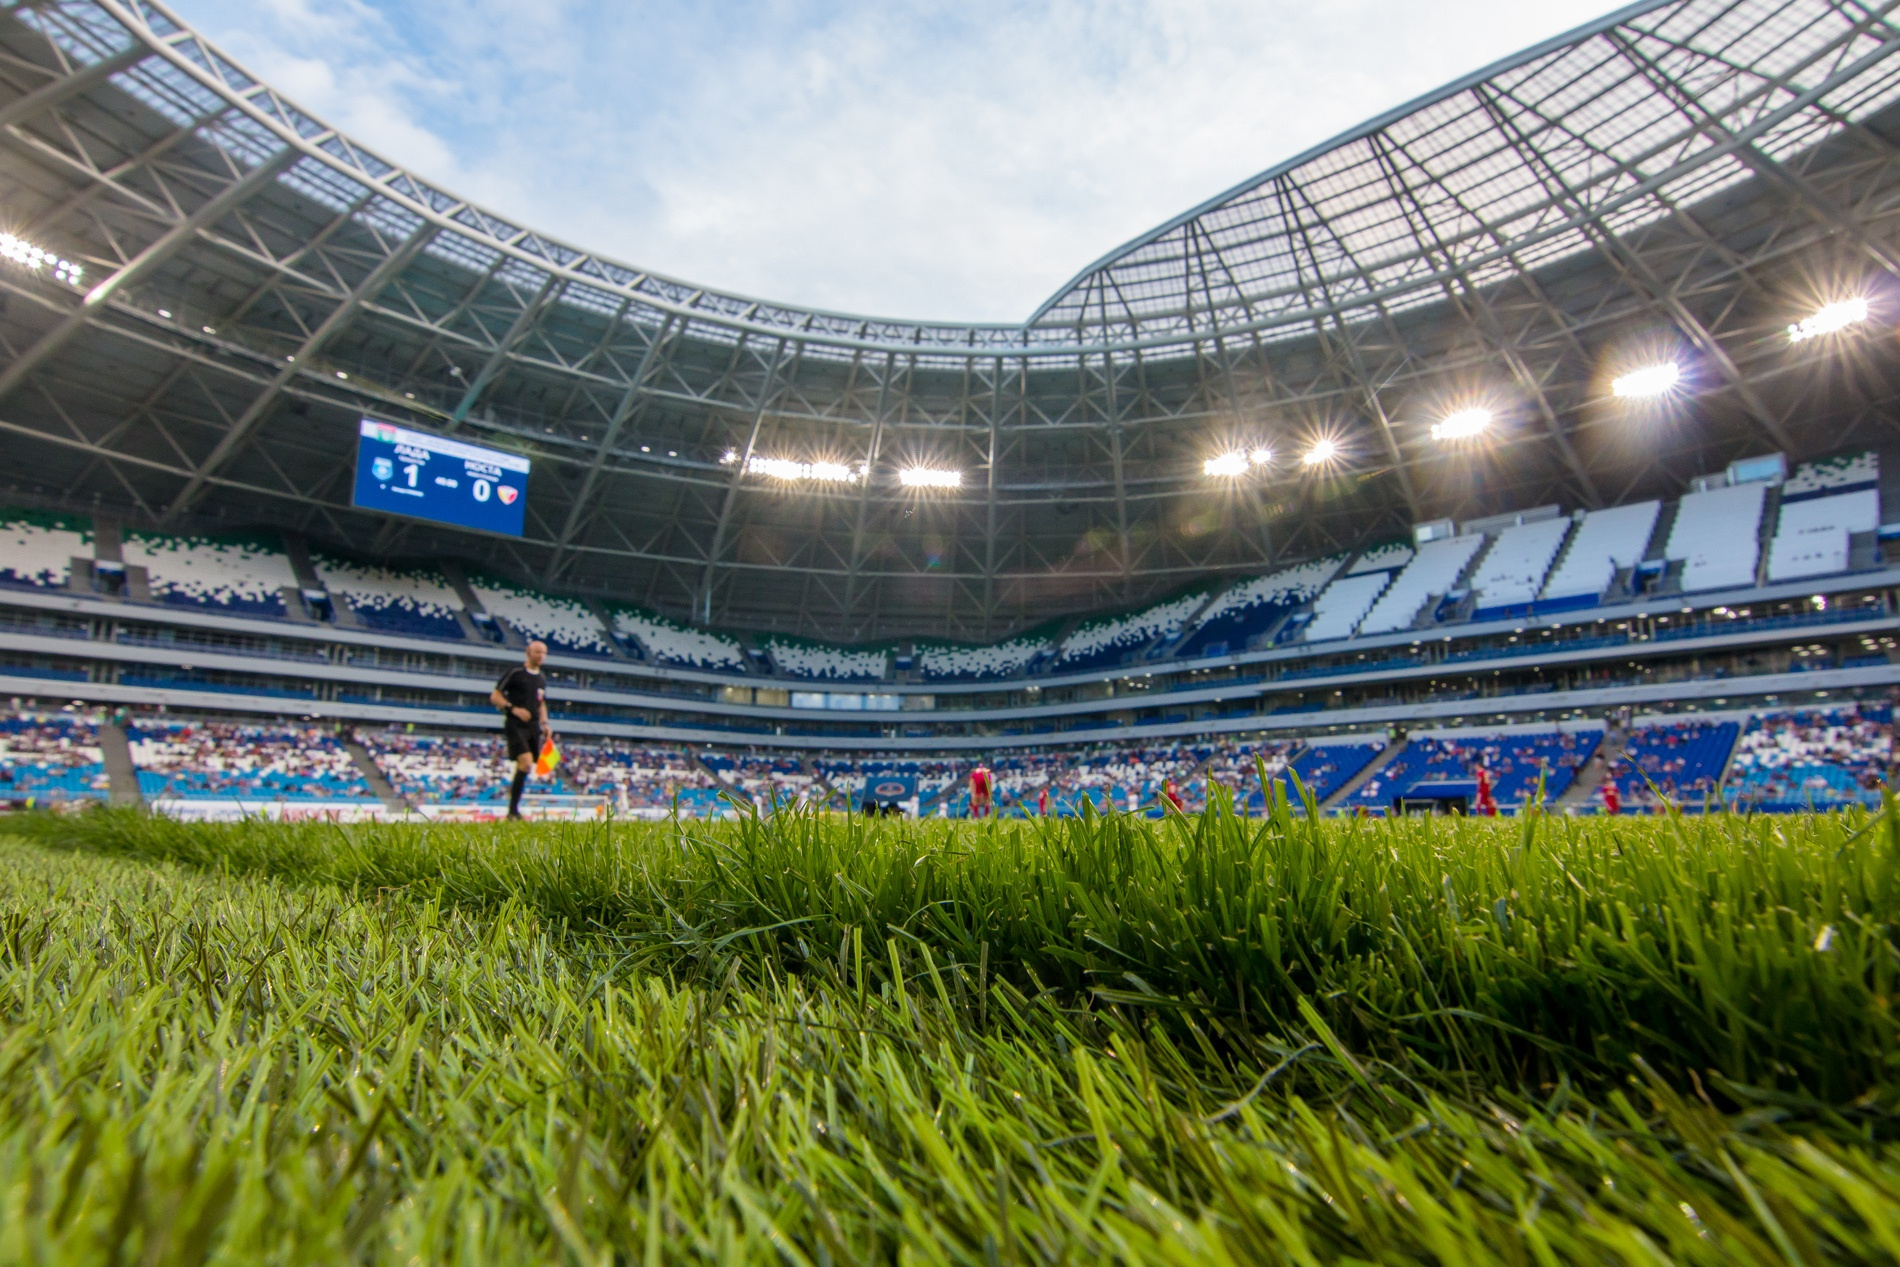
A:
954, 161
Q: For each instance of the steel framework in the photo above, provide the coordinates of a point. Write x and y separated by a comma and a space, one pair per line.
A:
1677, 177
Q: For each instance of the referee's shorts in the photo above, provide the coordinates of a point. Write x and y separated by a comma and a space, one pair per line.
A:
521, 736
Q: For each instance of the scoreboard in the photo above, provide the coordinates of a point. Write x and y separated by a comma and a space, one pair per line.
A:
431, 477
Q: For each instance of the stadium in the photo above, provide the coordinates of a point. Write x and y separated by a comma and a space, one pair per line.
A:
1531, 449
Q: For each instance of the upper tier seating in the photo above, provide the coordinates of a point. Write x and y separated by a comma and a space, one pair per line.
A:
418, 602
1004, 659
196, 759
51, 757
242, 577
38, 550
1832, 475
1829, 759
1389, 557
1515, 763
1513, 571
1717, 535
1433, 572
1251, 609
1603, 542
669, 642
1105, 642
1343, 604
1683, 760
797, 658
567, 626
1811, 536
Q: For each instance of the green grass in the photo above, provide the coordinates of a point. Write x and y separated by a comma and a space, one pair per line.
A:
821, 1040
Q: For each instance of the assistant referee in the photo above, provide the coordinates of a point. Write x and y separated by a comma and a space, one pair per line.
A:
522, 697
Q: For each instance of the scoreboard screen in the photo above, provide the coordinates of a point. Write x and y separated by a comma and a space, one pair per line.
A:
430, 477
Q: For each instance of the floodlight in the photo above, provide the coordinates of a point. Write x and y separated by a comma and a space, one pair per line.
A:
1227, 464
1462, 425
1835, 316
1322, 452
925, 477
1651, 380
1261, 457
34, 258
801, 472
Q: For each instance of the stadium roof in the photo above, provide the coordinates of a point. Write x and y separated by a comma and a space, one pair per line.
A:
1677, 180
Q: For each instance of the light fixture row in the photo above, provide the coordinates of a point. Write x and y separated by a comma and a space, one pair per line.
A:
1637, 384
34, 258
790, 471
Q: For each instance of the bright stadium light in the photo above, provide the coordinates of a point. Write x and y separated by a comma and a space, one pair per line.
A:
925, 477
1462, 425
804, 472
1836, 316
1261, 457
34, 258
1322, 452
1651, 380
1227, 465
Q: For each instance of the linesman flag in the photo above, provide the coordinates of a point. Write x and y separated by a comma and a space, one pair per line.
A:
549, 758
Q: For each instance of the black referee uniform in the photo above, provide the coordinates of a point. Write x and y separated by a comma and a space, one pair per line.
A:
527, 689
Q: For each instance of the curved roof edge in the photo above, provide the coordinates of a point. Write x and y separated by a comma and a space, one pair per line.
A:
1378, 123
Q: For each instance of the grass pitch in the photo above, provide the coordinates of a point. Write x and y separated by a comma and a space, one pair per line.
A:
822, 1040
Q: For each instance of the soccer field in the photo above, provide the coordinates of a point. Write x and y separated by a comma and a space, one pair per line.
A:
816, 1039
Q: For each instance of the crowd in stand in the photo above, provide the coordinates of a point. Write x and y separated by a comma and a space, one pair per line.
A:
51, 757
1813, 759
251, 762
1783, 761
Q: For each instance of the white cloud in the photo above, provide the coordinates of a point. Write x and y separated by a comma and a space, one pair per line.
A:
937, 160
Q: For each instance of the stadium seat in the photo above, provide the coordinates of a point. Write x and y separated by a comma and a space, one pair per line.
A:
669, 642
1251, 609
1104, 643
566, 625
1717, 537
245, 577
418, 602
51, 757
1512, 571
1603, 542
795, 657
1433, 572
37, 550
195, 760
944, 662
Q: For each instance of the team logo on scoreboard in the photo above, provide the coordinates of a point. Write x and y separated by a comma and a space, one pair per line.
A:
507, 493
383, 469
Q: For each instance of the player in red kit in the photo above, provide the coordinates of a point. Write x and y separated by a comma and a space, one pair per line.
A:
981, 785
1487, 801
1612, 799
1174, 796
1042, 802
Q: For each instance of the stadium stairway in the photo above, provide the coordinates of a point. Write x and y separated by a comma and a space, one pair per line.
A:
373, 775
1583, 788
832, 794
1346, 789
121, 775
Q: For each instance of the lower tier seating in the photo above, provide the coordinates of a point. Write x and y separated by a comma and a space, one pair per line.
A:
194, 759
51, 757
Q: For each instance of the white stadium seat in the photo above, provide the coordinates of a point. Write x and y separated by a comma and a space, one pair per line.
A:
563, 623
1717, 537
1604, 541
1343, 604
1513, 570
39, 550
240, 576
673, 643
1433, 572
414, 601
1811, 537
810, 659
1098, 640
1002, 659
